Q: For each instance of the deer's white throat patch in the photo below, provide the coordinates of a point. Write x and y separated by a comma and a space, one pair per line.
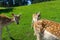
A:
34, 19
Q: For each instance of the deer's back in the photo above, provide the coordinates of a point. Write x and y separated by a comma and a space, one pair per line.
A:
4, 19
50, 26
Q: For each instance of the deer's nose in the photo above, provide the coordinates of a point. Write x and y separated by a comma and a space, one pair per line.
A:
17, 22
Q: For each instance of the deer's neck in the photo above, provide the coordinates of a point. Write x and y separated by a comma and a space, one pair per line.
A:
12, 19
6, 20
35, 19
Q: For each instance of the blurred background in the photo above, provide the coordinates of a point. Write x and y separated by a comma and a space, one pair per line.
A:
10, 3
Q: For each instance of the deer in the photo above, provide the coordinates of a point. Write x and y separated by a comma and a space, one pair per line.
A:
45, 29
5, 21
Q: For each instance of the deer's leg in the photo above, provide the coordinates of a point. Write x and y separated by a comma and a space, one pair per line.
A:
32, 24
7, 29
35, 31
39, 36
0, 32
9, 33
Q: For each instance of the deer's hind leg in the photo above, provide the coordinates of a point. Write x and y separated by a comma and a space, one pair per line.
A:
49, 36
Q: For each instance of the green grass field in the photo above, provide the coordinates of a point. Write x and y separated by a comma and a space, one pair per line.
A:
49, 10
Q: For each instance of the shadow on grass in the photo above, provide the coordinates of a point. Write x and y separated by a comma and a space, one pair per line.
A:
11, 39
46, 0
38, 1
6, 10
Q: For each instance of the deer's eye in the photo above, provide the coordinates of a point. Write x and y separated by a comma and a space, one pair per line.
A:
38, 15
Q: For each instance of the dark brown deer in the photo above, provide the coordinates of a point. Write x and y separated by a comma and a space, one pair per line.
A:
4, 21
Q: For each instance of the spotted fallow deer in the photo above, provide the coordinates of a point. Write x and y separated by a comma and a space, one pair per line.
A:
47, 30
4, 21
35, 17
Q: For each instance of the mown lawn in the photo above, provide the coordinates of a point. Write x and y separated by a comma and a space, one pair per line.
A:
23, 31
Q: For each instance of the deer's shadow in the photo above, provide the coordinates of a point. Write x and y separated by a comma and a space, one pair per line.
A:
7, 10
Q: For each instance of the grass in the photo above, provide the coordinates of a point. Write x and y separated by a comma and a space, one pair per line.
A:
23, 31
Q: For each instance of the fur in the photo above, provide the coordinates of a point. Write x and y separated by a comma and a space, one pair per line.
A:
4, 21
52, 27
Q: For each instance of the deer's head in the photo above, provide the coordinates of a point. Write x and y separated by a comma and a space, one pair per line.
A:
36, 16
16, 18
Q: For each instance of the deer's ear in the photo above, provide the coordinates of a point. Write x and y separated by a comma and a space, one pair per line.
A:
38, 13
20, 15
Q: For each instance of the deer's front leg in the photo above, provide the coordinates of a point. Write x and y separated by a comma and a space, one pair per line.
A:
32, 24
35, 31
39, 36
7, 29
0, 32
9, 33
